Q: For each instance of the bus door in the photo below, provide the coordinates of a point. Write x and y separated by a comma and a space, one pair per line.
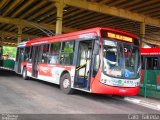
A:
19, 59
35, 60
82, 61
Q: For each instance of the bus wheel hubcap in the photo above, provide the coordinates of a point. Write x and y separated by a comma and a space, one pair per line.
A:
66, 83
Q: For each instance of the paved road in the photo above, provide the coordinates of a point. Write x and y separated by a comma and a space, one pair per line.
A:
20, 96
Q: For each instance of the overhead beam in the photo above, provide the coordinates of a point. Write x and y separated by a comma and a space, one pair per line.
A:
41, 11
101, 8
32, 9
24, 36
153, 42
7, 42
30, 24
10, 41
15, 2
1, 39
10, 44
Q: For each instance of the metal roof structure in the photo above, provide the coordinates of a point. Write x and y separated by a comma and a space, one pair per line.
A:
38, 17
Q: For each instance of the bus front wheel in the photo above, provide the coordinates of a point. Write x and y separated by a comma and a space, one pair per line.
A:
65, 84
24, 74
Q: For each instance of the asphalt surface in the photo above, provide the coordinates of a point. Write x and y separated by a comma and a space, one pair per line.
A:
18, 96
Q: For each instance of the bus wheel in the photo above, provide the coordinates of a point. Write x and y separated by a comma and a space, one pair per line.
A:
65, 84
24, 74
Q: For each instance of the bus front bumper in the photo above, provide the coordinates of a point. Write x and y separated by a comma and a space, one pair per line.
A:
100, 88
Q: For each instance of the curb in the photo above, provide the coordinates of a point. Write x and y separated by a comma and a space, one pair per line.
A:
143, 103
5, 68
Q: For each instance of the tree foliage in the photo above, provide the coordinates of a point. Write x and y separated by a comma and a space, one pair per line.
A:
10, 51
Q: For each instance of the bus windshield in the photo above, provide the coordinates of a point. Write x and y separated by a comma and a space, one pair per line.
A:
121, 59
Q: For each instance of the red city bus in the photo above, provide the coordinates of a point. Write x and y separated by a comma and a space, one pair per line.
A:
150, 73
98, 60
150, 58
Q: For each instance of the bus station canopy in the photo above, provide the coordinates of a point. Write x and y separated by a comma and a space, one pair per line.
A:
38, 18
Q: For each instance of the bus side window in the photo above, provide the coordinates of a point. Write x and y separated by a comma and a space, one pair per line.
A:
26, 54
54, 53
155, 63
21, 54
96, 59
152, 63
31, 54
66, 56
143, 62
96, 65
17, 54
45, 53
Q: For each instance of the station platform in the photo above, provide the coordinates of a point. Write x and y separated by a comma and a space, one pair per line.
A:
146, 102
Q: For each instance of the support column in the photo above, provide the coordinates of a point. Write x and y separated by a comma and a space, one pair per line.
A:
142, 35
19, 33
59, 6
142, 32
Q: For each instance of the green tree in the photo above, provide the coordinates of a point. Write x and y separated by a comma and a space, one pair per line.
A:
11, 51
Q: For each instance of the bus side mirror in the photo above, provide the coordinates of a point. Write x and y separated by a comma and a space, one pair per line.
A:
96, 47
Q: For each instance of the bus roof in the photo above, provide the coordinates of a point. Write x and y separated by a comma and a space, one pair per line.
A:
92, 32
150, 51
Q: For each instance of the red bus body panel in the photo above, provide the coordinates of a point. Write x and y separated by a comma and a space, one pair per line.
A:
75, 35
150, 51
97, 87
100, 88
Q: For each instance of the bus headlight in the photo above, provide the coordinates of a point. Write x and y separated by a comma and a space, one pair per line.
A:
105, 81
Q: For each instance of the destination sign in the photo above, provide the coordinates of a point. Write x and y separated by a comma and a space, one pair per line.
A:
120, 37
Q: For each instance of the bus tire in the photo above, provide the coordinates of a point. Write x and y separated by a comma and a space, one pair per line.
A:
65, 84
24, 74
